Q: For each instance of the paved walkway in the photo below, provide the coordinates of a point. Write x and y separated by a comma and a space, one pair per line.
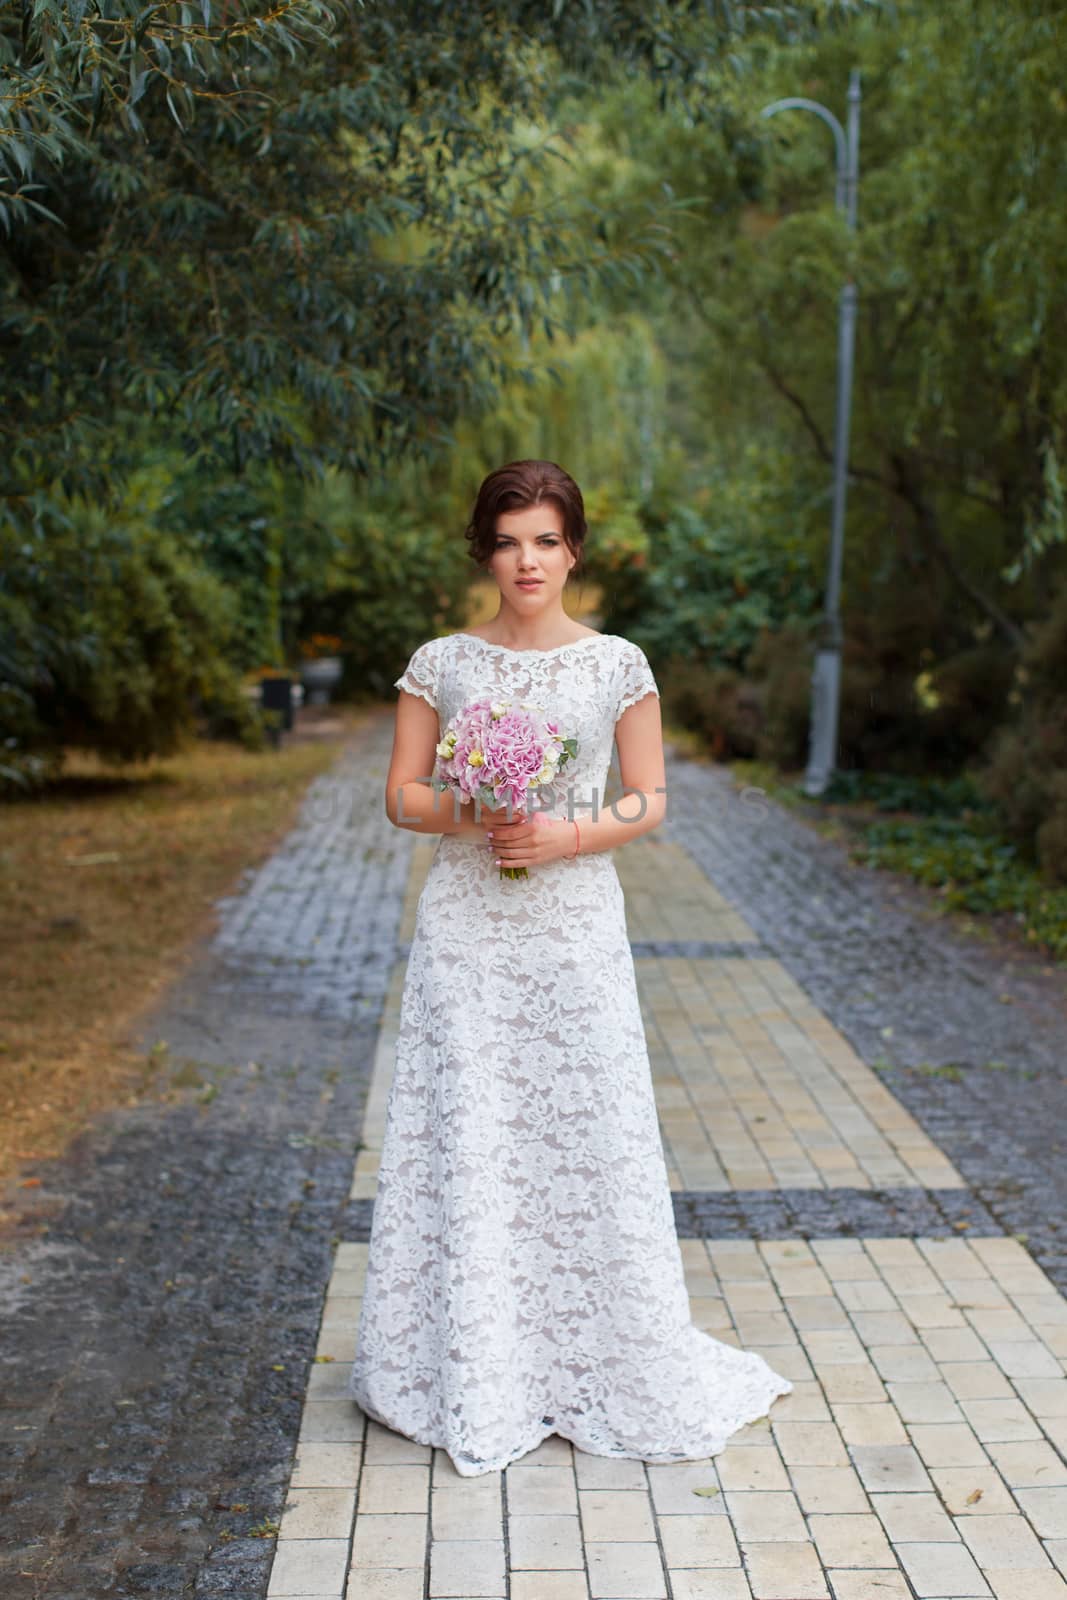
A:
920, 1453
859, 1112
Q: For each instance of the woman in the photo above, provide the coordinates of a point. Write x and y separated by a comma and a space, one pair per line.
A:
524, 1276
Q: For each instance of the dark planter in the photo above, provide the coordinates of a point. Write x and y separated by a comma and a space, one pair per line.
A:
321, 676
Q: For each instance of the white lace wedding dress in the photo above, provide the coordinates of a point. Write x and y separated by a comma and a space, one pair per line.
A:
524, 1276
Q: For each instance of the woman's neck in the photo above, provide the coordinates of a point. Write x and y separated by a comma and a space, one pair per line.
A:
531, 633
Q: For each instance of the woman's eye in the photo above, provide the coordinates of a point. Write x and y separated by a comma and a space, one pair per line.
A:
505, 544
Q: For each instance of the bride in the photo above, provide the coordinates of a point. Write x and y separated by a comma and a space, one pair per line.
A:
524, 1276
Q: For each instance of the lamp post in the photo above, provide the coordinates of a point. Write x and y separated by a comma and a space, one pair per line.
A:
826, 677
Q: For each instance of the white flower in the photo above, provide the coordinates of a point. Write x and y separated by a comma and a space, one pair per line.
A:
497, 709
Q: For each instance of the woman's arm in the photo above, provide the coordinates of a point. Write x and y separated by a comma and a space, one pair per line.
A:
639, 737
410, 802
538, 840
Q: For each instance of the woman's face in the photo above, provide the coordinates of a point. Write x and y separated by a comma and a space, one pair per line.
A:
529, 545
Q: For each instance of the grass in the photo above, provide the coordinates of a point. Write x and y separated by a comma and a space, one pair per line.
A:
106, 880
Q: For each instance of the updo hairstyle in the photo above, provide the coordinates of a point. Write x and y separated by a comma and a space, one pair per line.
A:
516, 486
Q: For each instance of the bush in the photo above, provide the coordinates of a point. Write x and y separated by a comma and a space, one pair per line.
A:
714, 702
117, 642
780, 665
711, 575
616, 555
395, 579
969, 694
1026, 773
957, 797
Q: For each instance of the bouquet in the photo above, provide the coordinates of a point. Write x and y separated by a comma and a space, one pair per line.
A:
496, 751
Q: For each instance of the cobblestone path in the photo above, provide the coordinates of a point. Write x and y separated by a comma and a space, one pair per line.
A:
856, 1225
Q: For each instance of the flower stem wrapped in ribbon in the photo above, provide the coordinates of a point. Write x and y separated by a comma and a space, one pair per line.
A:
496, 752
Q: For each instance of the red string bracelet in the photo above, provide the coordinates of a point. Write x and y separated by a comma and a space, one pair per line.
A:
578, 840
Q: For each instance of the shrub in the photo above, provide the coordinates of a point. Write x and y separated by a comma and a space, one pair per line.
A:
714, 702
712, 574
1026, 772
394, 580
968, 694
780, 665
118, 641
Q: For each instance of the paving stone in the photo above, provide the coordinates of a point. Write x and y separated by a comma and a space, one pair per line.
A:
673, 1484
308, 1567
466, 1568
332, 1422
1029, 1465
318, 1514
549, 1586
915, 1517
698, 1540
400, 1583
829, 1489
1027, 1585
878, 1583
389, 1539
977, 1380
810, 1444
1000, 1421
805, 1403
605, 1472
1025, 1358
633, 1570
765, 1515
972, 1491
707, 1583
1003, 1541
864, 1423
941, 1569
619, 1514
752, 1469
326, 1466
470, 1509
890, 1467
1046, 1510
785, 1572
544, 1541
382, 1447
850, 1540
904, 1363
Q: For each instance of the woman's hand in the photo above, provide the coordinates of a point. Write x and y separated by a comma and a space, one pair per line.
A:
532, 841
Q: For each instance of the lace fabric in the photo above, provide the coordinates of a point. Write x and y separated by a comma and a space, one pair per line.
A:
524, 1276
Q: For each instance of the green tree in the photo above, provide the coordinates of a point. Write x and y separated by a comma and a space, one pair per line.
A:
961, 380
278, 238
199, 212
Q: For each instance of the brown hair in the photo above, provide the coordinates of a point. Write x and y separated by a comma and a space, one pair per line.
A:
516, 486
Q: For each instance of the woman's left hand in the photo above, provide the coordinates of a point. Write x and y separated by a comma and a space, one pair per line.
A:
533, 841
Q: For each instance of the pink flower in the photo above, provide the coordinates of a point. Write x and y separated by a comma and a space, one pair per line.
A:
498, 755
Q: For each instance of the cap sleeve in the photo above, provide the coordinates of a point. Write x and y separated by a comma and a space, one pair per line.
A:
634, 680
420, 675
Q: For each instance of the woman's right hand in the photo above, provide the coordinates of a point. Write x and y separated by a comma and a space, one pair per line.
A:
477, 821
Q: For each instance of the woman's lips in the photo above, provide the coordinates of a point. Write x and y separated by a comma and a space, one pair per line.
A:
528, 583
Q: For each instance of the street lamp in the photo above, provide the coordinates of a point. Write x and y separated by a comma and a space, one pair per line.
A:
826, 677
